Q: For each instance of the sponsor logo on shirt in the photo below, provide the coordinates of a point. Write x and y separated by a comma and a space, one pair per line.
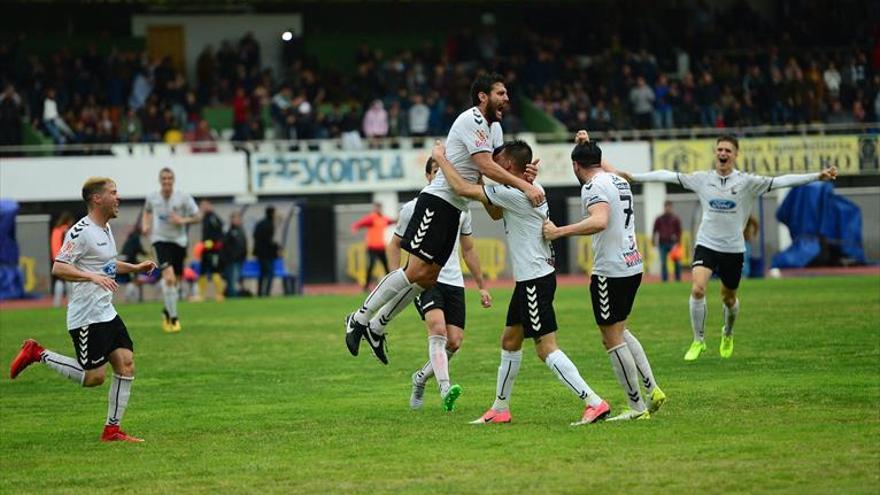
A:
632, 258
722, 204
481, 137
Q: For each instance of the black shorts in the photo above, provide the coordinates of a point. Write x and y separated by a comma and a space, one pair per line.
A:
728, 266
445, 297
432, 230
170, 254
613, 298
94, 343
210, 263
532, 306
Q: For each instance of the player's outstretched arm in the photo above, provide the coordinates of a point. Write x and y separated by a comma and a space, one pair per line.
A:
597, 221
472, 260
794, 180
455, 180
667, 176
123, 268
496, 172
70, 273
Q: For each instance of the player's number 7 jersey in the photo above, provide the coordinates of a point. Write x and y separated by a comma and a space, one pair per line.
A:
615, 250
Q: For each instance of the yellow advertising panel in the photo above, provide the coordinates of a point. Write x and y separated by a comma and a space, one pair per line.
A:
764, 156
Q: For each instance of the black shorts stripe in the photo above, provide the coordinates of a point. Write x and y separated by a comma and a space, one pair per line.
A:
613, 298
94, 343
432, 230
531, 306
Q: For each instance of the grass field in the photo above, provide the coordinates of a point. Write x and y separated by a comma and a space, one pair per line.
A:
261, 396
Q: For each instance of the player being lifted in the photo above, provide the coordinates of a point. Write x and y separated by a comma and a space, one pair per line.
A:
607, 204
726, 197
167, 212
442, 306
88, 260
530, 313
431, 233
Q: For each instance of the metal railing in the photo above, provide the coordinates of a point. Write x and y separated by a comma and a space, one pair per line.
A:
336, 144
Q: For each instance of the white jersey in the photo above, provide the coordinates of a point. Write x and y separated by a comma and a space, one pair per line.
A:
726, 201
615, 251
162, 229
470, 134
90, 248
532, 256
450, 274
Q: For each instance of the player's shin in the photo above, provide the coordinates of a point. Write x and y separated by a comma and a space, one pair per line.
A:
120, 391
507, 371
641, 360
568, 374
625, 370
63, 365
391, 285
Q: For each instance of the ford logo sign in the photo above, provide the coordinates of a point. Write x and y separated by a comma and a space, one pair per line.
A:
722, 204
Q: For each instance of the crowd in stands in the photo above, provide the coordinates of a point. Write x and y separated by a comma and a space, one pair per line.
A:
753, 75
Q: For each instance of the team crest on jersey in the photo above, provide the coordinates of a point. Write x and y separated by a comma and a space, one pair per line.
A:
110, 269
481, 137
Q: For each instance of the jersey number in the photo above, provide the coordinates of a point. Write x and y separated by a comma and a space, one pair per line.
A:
628, 210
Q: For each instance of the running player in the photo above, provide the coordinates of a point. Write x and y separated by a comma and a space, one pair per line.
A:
166, 215
88, 260
530, 313
726, 196
430, 235
607, 204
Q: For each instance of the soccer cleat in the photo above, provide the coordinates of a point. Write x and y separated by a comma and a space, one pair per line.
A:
630, 415
112, 433
657, 400
418, 392
594, 414
451, 396
28, 355
174, 325
166, 321
726, 349
697, 347
493, 417
354, 332
377, 343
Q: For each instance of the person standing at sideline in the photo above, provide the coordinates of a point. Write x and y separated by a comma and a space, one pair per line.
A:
667, 233
56, 239
375, 223
266, 250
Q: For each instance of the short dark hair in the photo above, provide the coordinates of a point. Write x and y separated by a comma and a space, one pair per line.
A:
587, 154
270, 211
429, 165
94, 185
483, 84
519, 152
730, 138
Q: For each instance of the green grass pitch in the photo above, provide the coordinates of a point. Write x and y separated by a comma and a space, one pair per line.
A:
261, 396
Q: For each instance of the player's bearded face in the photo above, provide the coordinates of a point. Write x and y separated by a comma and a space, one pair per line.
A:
497, 103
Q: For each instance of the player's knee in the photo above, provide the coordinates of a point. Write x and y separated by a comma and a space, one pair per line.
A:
728, 299
93, 380
698, 292
453, 343
510, 343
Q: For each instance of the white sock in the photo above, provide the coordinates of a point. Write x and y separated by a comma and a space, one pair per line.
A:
394, 307
730, 317
568, 374
507, 371
170, 294
120, 390
427, 371
63, 365
698, 317
625, 369
390, 286
439, 361
641, 360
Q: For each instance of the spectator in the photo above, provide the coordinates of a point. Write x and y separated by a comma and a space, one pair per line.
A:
419, 113
375, 123
351, 138
662, 104
642, 99
233, 254
52, 121
130, 128
202, 138
11, 113
212, 244
241, 115
266, 251
666, 234
132, 248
